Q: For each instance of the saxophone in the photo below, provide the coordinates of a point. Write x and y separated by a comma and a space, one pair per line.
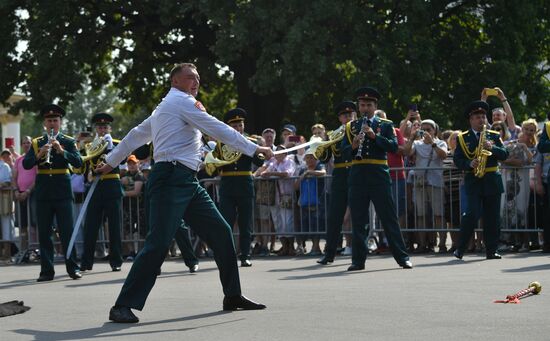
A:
481, 154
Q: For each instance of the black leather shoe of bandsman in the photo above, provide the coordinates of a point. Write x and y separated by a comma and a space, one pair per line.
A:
407, 265
120, 314
458, 254
45, 278
194, 268
76, 275
240, 303
493, 256
115, 268
246, 263
356, 267
325, 260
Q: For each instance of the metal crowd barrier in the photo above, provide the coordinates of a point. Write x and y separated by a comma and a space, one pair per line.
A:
281, 210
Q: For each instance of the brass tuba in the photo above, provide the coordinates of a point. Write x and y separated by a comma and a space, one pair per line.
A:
94, 148
481, 154
226, 156
318, 148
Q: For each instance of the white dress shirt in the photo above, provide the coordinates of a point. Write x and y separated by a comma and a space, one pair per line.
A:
175, 128
5, 172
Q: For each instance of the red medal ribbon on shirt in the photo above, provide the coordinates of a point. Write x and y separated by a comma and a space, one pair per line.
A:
200, 106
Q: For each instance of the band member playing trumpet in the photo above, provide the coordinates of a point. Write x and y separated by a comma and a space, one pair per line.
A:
106, 201
477, 154
339, 185
53, 190
370, 139
237, 188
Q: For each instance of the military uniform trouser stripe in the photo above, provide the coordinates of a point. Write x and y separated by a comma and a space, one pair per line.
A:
175, 193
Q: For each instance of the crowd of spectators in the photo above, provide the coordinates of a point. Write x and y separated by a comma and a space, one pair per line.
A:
292, 190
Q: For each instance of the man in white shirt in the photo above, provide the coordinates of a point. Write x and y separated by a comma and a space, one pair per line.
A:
175, 128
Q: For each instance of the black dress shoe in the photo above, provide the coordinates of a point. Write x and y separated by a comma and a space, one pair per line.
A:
44, 278
493, 256
120, 314
458, 254
115, 268
356, 267
84, 268
246, 263
407, 264
240, 303
325, 260
194, 268
76, 275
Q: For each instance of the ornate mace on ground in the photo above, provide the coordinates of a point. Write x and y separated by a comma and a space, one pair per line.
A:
533, 289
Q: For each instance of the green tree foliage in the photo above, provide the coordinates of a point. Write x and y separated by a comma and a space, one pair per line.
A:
283, 60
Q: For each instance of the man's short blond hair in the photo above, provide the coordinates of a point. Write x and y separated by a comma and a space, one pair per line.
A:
178, 67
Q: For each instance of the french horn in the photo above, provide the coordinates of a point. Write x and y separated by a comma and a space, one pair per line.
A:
319, 147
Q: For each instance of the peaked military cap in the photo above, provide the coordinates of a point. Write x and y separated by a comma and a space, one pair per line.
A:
476, 107
235, 115
102, 118
52, 110
367, 93
345, 107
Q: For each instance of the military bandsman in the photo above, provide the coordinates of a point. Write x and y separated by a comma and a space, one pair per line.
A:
483, 186
237, 188
54, 153
339, 185
370, 139
106, 201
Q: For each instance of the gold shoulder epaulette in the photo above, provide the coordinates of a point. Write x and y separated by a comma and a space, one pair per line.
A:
464, 132
116, 140
493, 132
385, 120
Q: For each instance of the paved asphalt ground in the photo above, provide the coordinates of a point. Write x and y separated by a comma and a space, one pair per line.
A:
440, 299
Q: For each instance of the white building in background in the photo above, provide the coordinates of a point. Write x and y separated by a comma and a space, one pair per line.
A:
11, 124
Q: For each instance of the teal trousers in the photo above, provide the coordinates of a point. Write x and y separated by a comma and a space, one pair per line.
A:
239, 208
99, 208
490, 207
359, 201
62, 210
174, 193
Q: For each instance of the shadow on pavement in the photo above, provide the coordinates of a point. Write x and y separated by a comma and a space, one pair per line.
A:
541, 267
110, 330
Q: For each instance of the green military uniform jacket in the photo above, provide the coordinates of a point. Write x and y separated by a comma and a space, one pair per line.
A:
373, 153
491, 182
342, 162
53, 182
236, 178
544, 141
